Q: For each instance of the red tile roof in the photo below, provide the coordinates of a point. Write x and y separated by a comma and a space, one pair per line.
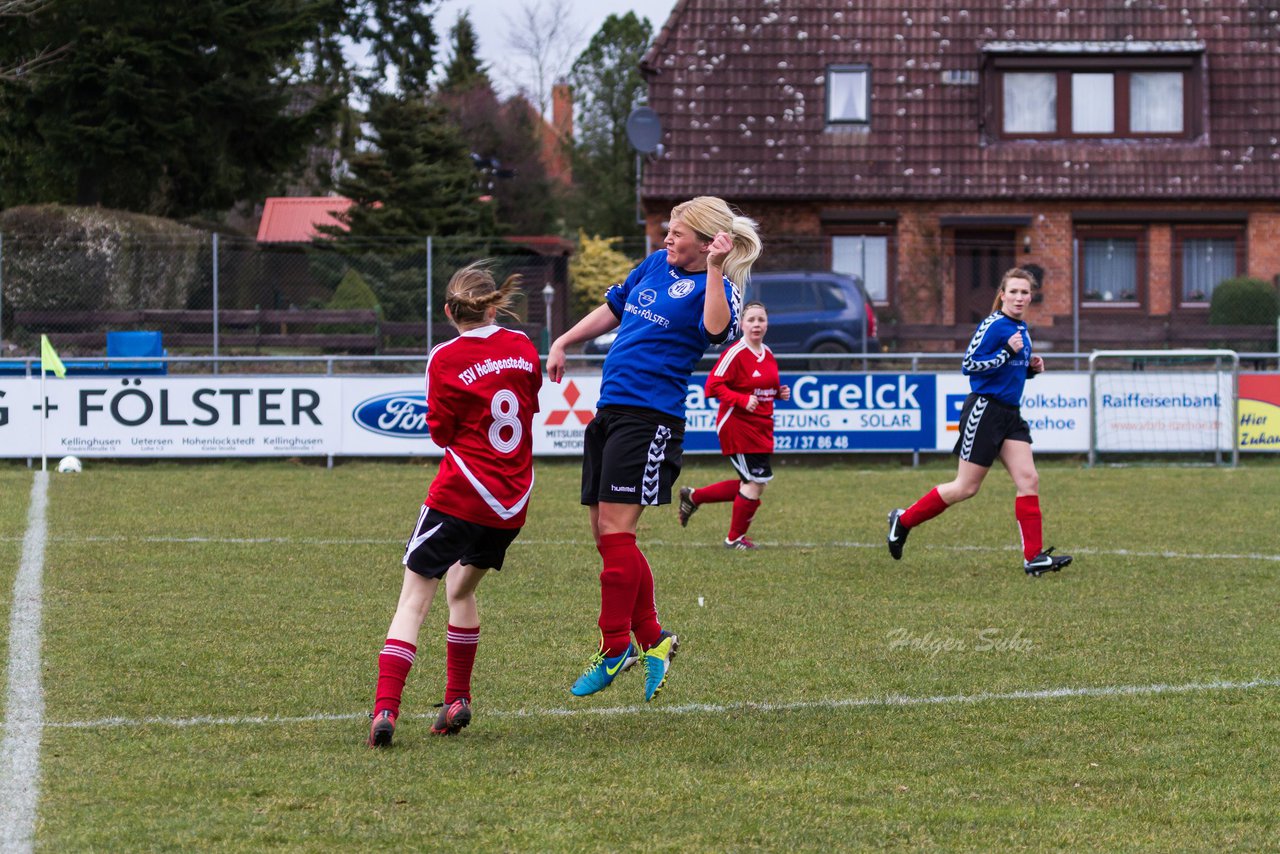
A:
740, 88
294, 219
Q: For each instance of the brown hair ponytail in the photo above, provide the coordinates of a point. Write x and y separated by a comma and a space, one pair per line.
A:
472, 291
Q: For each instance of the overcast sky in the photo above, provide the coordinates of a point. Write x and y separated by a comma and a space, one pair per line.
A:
494, 19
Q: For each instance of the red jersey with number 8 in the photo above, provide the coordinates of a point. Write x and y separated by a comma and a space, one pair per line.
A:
482, 391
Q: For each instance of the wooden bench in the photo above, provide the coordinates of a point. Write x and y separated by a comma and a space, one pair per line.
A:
259, 329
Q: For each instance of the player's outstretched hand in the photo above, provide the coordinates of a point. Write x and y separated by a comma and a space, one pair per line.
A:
555, 362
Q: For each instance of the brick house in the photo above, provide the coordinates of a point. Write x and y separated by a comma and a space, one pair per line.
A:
1129, 149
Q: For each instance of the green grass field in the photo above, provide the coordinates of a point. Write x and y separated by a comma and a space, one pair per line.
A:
210, 634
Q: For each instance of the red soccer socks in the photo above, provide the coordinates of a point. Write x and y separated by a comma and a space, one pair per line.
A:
460, 657
619, 581
644, 614
394, 664
744, 510
930, 505
725, 490
1026, 508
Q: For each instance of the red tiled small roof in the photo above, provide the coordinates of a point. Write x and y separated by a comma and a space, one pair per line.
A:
294, 219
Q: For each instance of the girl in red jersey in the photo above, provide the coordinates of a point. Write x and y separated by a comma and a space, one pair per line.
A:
745, 381
482, 391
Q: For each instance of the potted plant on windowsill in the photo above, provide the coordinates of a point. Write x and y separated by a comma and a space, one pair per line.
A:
1092, 296
1197, 296
1128, 296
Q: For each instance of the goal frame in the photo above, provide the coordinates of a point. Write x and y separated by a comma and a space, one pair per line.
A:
1231, 356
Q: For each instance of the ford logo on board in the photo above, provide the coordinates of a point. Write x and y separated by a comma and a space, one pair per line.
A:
400, 414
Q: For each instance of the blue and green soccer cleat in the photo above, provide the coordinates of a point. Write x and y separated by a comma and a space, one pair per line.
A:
602, 670
657, 661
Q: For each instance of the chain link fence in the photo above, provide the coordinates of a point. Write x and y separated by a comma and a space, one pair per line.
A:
216, 295
229, 296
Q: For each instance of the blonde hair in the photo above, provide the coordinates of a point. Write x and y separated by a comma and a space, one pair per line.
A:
472, 291
707, 215
1014, 273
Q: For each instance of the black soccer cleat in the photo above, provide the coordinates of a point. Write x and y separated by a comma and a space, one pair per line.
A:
1046, 561
687, 507
897, 537
382, 728
452, 718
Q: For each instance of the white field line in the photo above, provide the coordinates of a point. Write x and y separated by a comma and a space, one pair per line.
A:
24, 699
885, 702
684, 544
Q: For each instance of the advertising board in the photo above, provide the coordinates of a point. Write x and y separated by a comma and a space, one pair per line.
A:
247, 416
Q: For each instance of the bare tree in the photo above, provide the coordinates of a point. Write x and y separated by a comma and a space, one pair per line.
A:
21, 70
544, 40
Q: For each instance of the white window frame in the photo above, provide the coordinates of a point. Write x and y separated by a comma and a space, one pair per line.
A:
872, 267
851, 72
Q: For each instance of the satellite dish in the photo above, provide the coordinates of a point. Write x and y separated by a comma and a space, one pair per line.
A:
644, 130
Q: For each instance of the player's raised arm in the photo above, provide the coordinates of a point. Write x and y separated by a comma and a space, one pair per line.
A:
716, 315
599, 321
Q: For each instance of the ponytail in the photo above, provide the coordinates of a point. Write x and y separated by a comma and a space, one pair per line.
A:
472, 291
707, 215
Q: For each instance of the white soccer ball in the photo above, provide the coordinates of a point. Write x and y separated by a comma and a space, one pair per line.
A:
69, 465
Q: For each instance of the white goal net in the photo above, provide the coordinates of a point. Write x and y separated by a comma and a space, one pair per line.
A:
1163, 401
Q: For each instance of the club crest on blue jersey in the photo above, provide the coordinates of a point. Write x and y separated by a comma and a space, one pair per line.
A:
681, 289
646, 297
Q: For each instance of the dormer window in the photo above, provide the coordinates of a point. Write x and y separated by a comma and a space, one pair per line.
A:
848, 94
1065, 90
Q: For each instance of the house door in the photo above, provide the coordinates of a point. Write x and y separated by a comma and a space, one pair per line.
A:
982, 257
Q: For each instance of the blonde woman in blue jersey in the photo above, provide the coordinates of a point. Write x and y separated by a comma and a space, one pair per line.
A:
998, 363
671, 307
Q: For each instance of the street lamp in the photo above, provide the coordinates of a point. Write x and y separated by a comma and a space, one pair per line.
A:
548, 297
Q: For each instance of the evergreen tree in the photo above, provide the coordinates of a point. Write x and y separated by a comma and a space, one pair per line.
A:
607, 85
401, 43
354, 292
505, 140
161, 107
464, 69
417, 179
528, 201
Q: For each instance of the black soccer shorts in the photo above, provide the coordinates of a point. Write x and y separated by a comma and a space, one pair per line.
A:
985, 424
752, 468
440, 540
627, 459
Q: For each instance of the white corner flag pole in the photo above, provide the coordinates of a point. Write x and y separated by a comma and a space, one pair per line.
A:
44, 418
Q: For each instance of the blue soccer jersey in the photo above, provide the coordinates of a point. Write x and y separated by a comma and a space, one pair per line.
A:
660, 336
991, 365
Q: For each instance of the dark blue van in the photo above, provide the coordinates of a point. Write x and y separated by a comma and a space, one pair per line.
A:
817, 312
